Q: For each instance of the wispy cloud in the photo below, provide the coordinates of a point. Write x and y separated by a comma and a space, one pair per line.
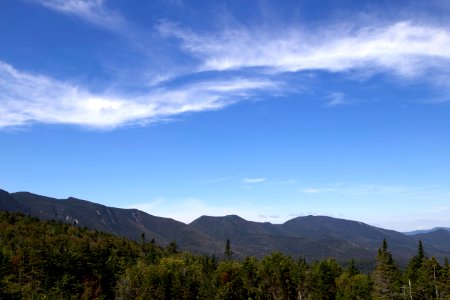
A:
403, 47
315, 190
92, 11
27, 98
220, 179
264, 217
253, 180
335, 99
372, 189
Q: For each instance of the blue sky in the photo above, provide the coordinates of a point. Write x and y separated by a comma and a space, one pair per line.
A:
265, 109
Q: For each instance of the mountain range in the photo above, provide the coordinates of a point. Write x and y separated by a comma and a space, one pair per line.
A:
311, 237
415, 232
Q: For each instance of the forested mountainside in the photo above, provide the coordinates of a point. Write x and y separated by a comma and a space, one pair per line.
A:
310, 237
55, 260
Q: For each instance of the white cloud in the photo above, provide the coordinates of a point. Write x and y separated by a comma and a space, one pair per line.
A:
375, 189
253, 180
27, 98
264, 217
220, 179
313, 190
404, 48
335, 99
92, 11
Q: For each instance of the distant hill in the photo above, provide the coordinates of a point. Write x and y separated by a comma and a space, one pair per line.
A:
416, 232
311, 237
439, 238
315, 237
262, 238
357, 233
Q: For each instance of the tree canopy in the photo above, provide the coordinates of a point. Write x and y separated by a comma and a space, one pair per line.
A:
54, 260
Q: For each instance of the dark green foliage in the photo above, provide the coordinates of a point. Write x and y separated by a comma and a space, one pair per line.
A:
444, 281
58, 260
413, 271
422, 276
278, 276
352, 285
386, 277
180, 276
228, 252
171, 249
352, 269
324, 274
54, 260
250, 276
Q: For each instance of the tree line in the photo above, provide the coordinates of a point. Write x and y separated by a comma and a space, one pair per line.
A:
54, 260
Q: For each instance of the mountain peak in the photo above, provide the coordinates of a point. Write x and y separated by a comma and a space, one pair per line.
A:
226, 218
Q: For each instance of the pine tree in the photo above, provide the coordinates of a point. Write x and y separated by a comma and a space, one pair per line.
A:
352, 269
172, 248
386, 277
416, 262
444, 280
228, 252
414, 273
324, 276
151, 255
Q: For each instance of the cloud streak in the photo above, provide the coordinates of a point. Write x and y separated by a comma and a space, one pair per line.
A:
403, 47
92, 11
336, 99
373, 189
27, 98
253, 180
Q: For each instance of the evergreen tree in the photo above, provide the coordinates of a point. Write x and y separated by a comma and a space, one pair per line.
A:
4, 266
386, 277
324, 275
415, 263
229, 281
430, 275
416, 276
353, 287
352, 270
228, 252
151, 255
444, 281
250, 276
277, 277
172, 248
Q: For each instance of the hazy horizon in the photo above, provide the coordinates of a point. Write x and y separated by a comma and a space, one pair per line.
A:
263, 109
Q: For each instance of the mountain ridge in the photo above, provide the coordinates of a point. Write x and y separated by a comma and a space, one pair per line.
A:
416, 232
311, 237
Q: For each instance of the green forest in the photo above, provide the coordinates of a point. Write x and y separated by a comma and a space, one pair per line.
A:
55, 260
